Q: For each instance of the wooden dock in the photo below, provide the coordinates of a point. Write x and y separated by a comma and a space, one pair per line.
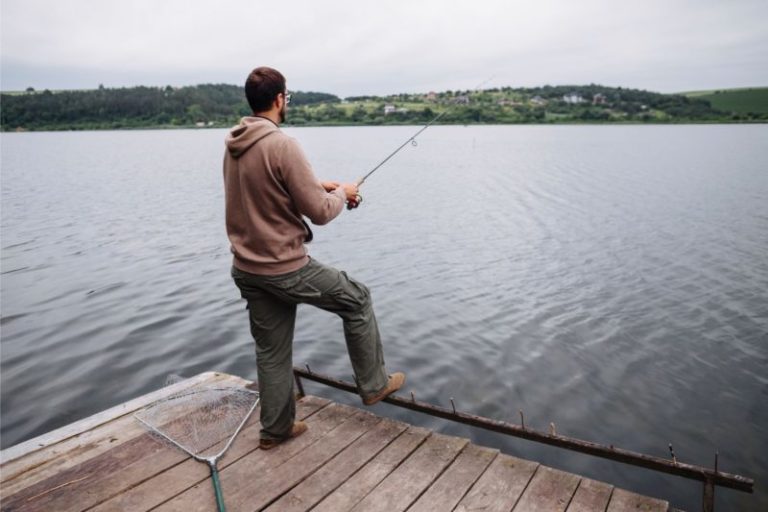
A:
348, 460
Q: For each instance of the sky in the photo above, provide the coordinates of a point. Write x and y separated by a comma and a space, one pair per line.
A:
351, 48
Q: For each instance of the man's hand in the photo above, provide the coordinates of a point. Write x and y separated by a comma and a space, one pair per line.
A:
350, 190
330, 186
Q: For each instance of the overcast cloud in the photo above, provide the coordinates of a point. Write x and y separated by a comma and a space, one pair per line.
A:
356, 47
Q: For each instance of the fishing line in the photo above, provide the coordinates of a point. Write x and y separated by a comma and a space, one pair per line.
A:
412, 140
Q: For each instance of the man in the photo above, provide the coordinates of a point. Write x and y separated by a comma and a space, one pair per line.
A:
269, 187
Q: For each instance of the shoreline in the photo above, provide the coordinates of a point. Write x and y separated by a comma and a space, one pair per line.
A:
366, 125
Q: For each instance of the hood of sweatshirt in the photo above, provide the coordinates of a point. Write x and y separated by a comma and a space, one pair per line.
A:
247, 133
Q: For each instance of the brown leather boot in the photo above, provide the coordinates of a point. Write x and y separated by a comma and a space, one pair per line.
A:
396, 381
298, 428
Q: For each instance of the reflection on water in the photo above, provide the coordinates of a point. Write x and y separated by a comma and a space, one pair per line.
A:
608, 279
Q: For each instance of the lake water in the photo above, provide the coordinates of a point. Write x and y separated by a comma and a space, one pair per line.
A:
610, 279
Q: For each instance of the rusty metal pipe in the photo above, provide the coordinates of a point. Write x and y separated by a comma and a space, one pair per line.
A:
607, 452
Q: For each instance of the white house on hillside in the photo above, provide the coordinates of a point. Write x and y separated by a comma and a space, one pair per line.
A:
573, 98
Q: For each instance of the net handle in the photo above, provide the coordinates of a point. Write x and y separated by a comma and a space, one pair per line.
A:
217, 486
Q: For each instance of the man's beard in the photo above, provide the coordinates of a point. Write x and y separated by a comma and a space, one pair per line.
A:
282, 114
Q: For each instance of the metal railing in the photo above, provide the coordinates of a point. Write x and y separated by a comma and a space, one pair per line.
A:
709, 477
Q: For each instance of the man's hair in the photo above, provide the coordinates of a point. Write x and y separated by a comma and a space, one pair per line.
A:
262, 87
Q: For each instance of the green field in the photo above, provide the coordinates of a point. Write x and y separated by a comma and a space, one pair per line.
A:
742, 101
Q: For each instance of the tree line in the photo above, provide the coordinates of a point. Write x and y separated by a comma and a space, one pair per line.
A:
133, 107
223, 105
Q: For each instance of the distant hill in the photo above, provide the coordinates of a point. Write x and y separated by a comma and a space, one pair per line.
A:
133, 107
742, 101
221, 105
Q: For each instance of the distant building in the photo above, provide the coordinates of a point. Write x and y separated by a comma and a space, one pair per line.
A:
599, 99
200, 124
461, 100
573, 98
431, 96
507, 102
538, 101
391, 109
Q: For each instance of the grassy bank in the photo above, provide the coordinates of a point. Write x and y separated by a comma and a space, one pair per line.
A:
751, 100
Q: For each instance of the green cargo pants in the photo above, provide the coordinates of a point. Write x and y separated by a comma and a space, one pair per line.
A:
272, 302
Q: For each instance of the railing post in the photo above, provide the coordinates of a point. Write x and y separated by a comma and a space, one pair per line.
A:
709, 495
299, 385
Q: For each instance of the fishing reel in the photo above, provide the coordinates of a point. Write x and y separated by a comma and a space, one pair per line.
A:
354, 203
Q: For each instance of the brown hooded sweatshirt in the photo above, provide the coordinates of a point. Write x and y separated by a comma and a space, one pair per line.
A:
269, 185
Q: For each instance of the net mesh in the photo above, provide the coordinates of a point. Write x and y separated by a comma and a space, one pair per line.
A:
200, 421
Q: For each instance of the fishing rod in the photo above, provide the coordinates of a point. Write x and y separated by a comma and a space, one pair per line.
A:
354, 203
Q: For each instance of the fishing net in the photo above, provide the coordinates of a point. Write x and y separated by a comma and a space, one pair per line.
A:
201, 422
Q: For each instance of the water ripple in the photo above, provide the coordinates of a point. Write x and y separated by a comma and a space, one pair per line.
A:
608, 279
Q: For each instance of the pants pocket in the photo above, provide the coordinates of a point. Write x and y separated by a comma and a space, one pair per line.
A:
294, 288
351, 294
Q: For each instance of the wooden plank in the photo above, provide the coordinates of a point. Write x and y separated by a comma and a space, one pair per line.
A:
239, 475
348, 460
622, 501
550, 490
499, 488
89, 423
105, 475
362, 482
334, 473
406, 483
77, 446
590, 496
268, 486
75, 485
89, 433
162, 480
448, 490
